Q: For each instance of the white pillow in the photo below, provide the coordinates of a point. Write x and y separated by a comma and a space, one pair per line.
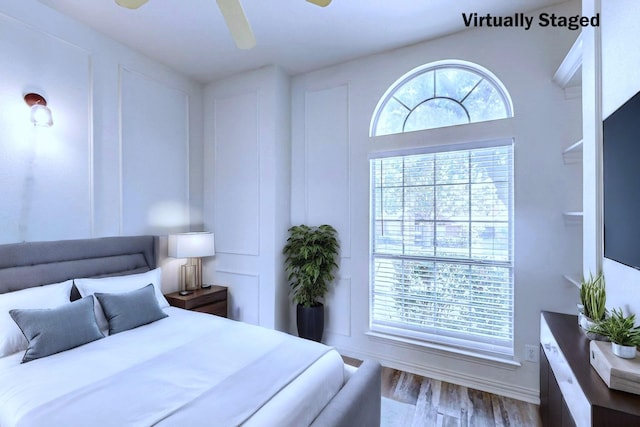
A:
12, 339
118, 284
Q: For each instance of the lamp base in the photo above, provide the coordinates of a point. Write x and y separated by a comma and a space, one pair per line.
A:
191, 274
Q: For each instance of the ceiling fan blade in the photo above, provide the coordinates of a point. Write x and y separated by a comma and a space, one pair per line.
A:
322, 3
237, 22
131, 4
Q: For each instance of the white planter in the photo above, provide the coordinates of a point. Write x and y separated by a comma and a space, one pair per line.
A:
624, 351
585, 322
580, 311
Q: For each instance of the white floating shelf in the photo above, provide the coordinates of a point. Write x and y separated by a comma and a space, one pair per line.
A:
573, 153
571, 280
567, 74
572, 218
573, 148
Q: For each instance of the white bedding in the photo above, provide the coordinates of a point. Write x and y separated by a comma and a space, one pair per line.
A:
187, 369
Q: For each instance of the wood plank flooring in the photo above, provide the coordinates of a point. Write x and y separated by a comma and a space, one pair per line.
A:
439, 403
432, 403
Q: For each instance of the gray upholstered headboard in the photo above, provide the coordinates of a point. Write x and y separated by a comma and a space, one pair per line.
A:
25, 265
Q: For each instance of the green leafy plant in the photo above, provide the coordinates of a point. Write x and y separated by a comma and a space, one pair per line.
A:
310, 259
593, 297
618, 328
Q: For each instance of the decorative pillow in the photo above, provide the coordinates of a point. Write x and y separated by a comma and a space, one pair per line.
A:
119, 284
53, 330
48, 296
128, 310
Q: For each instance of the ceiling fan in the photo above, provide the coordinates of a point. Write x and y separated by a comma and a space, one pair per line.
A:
233, 15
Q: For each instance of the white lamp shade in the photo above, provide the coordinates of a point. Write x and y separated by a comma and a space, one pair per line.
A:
191, 245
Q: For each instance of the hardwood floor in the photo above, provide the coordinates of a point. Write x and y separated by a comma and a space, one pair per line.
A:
432, 403
442, 404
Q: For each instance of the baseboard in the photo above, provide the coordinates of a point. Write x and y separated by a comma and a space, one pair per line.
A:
454, 377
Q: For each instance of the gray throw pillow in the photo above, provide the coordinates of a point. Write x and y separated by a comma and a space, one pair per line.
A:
128, 310
53, 330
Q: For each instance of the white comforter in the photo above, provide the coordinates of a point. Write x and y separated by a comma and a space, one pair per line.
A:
188, 369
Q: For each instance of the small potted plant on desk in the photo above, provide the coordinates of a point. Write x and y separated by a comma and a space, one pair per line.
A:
310, 259
621, 331
593, 298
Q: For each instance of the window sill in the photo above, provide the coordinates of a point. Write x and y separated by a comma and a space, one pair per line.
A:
496, 360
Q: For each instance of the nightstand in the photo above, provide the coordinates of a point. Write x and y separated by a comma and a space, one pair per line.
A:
212, 300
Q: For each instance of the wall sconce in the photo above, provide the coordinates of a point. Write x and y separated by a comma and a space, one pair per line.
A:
40, 113
192, 246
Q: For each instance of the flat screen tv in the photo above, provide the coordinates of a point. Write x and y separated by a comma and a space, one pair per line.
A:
621, 174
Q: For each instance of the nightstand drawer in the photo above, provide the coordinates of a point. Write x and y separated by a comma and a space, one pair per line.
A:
218, 308
203, 298
211, 300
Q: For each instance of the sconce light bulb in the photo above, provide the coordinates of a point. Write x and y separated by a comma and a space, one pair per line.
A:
40, 113
41, 116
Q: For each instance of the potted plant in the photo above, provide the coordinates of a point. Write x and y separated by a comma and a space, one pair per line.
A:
621, 331
593, 298
310, 260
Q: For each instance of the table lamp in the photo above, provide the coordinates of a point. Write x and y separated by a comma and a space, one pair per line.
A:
193, 246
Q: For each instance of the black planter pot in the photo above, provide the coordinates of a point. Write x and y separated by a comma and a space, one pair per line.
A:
310, 322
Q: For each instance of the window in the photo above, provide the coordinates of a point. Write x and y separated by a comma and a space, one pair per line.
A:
442, 252
441, 94
442, 217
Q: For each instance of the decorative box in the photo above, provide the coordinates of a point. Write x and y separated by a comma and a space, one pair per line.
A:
616, 372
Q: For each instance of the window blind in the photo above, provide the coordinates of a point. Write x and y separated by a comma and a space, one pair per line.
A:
442, 251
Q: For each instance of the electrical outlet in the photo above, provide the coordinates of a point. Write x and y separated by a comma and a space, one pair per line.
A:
531, 353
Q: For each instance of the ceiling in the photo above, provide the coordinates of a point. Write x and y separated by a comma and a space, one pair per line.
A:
190, 36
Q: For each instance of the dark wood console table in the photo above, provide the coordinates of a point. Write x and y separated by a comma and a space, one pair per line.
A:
571, 391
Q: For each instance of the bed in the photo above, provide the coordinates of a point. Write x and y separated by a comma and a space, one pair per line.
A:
180, 368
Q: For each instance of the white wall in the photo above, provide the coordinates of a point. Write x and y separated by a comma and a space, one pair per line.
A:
620, 59
331, 112
247, 191
124, 155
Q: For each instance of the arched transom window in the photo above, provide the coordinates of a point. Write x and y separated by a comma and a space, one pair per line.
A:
441, 94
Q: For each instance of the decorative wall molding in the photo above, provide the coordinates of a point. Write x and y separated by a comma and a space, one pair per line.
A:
80, 222
92, 210
38, 29
242, 295
317, 131
246, 246
123, 72
339, 301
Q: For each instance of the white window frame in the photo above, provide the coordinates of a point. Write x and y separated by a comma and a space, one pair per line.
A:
459, 343
482, 72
